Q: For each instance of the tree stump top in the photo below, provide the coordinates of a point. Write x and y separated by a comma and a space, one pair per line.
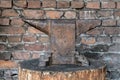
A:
34, 65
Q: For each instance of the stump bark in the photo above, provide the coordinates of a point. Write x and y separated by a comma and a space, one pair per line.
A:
29, 70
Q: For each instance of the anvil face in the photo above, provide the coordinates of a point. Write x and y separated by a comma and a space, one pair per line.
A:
62, 40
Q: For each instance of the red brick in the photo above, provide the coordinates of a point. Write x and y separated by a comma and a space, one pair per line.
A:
14, 39
21, 55
88, 40
109, 23
77, 4
117, 14
34, 14
17, 21
12, 30
86, 25
34, 4
108, 5
49, 3
2, 47
105, 14
118, 5
4, 21
96, 31
20, 3
9, 13
111, 30
70, 15
93, 5
35, 55
53, 14
87, 14
29, 38
34, 47
5, 3
44, 39
8, 64
63, 4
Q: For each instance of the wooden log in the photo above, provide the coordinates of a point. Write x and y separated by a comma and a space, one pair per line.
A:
28, 70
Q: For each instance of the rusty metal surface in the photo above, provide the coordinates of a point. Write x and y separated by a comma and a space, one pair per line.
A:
62, 39
42, 25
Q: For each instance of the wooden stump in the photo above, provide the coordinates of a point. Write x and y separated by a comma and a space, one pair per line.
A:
29, 70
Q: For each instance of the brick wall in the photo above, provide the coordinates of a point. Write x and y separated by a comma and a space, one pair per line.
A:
97, 31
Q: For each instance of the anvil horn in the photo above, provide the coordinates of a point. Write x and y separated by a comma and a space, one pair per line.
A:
39, 25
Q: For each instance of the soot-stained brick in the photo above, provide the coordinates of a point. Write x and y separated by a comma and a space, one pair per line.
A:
94, 48
5, 55
112, 65
100, 48
82, 48
95, 56
15, 47
1, 73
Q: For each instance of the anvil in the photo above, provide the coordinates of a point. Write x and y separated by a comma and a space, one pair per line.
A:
62, 35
